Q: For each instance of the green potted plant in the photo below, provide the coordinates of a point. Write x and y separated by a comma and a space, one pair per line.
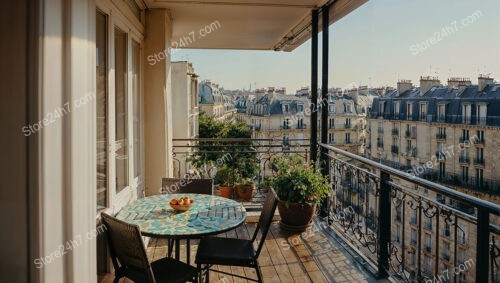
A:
245, 188
226, 178
299, 188
265, 185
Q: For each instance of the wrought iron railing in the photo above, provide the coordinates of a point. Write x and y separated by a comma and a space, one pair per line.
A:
462, 227
209, 148
378, 191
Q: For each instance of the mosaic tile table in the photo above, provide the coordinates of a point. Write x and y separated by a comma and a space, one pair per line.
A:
209, 215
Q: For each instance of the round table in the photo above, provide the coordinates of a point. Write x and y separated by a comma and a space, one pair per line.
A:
209, 215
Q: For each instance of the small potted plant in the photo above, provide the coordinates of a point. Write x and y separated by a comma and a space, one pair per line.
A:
299, 188
265, 185
226, 178
245, 189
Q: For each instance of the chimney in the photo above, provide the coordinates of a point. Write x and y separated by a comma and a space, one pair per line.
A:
458, 82
484, 81
428, 82
403, 85
281, 90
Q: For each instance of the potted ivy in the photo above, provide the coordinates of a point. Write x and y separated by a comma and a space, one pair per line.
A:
299, 188
226, 178
245, 188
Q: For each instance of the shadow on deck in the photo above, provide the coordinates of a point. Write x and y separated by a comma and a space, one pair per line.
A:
286, 257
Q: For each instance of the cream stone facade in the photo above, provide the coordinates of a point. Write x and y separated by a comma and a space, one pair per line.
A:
448, 134
185, 111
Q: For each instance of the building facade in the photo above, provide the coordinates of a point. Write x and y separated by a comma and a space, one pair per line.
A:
213, 101
185, 111
273, 114
448, 134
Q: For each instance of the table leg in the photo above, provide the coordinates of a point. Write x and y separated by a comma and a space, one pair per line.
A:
188, 251
177, 249
170, 247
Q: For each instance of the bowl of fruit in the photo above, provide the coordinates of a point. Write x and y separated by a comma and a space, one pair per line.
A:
182, 204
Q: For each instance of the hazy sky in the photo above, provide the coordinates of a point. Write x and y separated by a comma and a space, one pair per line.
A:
375, 45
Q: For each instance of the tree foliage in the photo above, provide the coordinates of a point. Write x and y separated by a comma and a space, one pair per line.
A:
243, 154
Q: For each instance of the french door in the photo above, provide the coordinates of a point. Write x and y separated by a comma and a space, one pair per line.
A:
118, 111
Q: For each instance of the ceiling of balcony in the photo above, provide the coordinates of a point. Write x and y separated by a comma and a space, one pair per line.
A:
245, 24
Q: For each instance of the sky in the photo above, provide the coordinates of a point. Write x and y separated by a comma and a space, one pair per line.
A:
377, 44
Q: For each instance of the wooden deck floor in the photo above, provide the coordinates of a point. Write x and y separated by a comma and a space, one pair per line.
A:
313, 259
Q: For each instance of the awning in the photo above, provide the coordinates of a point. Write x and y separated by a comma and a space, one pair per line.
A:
247, 25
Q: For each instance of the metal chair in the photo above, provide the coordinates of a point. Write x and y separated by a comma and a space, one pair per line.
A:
186, 186
129, 258
237, 252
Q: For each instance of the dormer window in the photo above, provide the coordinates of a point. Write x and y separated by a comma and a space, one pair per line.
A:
381, 108
347, 108
441, 113
396, 109
481, 114
300, 108
331, 108
466, 113
409, 111
285, 108
423, 111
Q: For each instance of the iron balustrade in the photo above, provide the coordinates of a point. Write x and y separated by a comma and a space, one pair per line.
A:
394, 149
395, 132
441, 136
373, 192
371, 233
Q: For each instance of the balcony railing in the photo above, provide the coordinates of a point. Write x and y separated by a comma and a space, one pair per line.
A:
410, 134
347, 126
395, 132
464, 159
473, 183
387, 190
394, 149
374, 191
301, 126
479, 161
440, 136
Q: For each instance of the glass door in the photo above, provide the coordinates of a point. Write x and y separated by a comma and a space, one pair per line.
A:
102, 109
121, 147
136, 116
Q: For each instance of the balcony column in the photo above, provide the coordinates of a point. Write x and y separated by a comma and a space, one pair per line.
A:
157, 100
314, 86
324, 160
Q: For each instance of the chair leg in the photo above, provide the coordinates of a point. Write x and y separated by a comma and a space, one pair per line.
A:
200, 274
207, 278
259, 274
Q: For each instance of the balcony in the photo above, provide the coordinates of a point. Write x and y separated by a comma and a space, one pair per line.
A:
392, 195
380, 130
479, 162
301, 126
464, 160
347, 126
441, 118
395, 132
409, 134
285, 127
394, 149
380, 144
441, 155
441, 136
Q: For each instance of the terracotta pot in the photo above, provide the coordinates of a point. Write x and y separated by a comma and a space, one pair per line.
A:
296, 217
245, 191
226, 192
